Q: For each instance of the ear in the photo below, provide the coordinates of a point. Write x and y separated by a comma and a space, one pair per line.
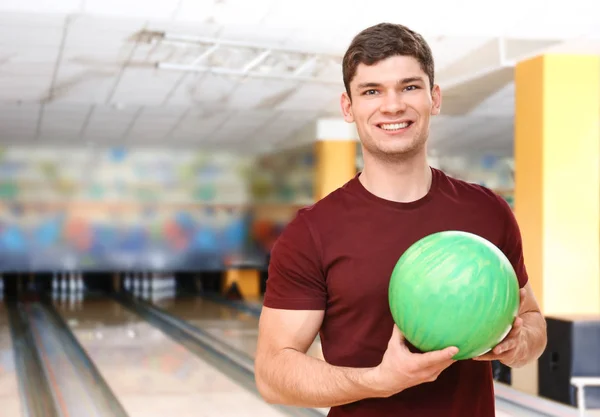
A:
346, 104
436, 98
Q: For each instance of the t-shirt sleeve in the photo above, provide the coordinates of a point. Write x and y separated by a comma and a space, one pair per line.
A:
295, 280
512, 245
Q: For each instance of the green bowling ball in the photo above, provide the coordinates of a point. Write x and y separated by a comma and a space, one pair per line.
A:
454, 288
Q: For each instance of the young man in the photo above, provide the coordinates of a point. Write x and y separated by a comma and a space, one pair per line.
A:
330, 268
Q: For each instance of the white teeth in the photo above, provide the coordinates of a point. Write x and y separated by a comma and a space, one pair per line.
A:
394, 126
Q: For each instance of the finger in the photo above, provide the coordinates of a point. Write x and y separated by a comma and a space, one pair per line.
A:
488, 356
398, 338
438, 357
504, 347
517, 326
515, 329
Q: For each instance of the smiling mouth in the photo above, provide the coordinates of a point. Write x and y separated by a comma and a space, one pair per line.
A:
394, 127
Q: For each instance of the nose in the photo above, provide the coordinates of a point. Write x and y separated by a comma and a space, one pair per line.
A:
392, 103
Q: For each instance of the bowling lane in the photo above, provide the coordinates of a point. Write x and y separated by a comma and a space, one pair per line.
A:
231, 326
150, 374
10, 400
240, 330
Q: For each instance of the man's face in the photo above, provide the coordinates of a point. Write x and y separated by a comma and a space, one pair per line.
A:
391, 105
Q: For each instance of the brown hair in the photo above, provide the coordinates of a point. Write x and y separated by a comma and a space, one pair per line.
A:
382, 41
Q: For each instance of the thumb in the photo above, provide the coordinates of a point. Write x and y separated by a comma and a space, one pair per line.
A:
398, 338
438, 356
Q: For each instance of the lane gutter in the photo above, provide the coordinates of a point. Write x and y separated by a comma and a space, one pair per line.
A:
105, 399
37, 396
229, 360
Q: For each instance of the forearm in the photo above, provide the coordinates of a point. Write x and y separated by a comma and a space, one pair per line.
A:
293, 378
534, 339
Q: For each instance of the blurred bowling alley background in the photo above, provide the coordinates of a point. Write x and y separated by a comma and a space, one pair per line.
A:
102, 209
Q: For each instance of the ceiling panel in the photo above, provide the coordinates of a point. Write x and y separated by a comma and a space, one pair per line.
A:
462, 134
181, 94
261, 93
98, 29
199, 125
194, 10
542, 20
298, 14
23, 88
241, 126
17, 128
61, 117
108, 60
32, 61
185, 23
284, 125
111, 122
154, 123
462, 98
501, 103
13, 110
78, 84
22, 30
208, 89
143, 134
449, 50
59, 135
275, 33
447, 128
311, 96
148, 86
230, 12
94, 42
157, 9
42, 6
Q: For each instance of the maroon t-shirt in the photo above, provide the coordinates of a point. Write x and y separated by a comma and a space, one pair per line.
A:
338, 254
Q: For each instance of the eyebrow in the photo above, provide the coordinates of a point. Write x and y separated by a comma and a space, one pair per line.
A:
399, 82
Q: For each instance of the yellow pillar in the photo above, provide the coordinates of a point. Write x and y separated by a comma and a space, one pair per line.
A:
335, 152
246, 280
557, 184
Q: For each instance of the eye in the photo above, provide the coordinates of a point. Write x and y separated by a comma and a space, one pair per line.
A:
369, 92
412, 87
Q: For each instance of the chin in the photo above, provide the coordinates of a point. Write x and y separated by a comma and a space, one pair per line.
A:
398, 147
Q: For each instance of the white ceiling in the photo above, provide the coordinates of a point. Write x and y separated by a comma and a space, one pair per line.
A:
86, 71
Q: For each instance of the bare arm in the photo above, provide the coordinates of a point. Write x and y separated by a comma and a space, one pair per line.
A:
286, 375
533, 329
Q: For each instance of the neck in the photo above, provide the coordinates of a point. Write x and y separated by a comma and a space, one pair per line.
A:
401, 181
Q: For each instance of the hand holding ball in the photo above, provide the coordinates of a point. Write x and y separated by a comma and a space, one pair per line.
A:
454, 288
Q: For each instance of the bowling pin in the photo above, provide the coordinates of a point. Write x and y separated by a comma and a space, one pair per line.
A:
136, 282
145, 283
79, 301
72, 282
80, 286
